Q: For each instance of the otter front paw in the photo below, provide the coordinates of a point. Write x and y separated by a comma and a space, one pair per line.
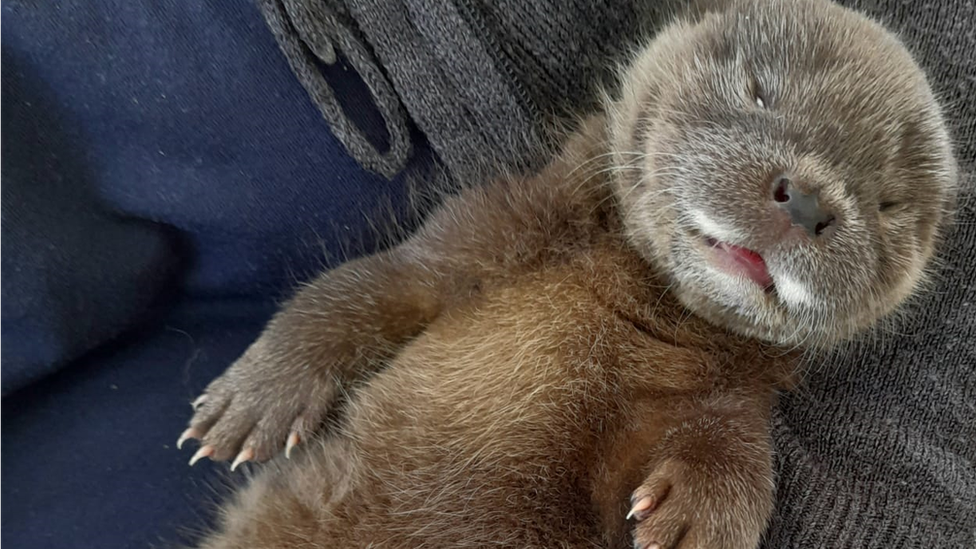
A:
263, 403
679, 507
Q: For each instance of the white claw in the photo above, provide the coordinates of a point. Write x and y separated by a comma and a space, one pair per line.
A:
293, 440
188, 434
642, 505
247, 454
205, 451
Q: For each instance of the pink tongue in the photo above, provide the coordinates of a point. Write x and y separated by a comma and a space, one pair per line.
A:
752, 264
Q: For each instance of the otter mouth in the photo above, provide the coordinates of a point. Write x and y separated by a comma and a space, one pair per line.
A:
740, 261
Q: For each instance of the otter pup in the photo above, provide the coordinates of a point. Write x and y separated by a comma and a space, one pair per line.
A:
588, 357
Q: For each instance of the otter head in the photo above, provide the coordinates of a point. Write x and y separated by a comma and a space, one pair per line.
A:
786, 164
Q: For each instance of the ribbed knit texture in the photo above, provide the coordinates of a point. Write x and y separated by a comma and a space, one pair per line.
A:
878, 448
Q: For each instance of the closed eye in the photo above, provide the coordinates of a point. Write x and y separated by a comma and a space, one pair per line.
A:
888, 206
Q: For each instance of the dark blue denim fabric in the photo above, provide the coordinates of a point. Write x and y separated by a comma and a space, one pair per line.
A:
166, 181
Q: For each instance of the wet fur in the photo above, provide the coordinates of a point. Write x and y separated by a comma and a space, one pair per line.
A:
546, 351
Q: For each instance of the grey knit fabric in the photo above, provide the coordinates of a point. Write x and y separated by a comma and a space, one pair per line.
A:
878, 448
311, 32
482, 80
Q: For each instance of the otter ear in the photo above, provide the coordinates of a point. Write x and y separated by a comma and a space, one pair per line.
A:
924, 144
924, 150
633, 103
912, 145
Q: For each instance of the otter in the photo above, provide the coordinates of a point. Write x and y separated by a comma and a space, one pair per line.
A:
588, 356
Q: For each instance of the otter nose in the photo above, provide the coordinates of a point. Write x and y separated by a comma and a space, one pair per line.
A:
804, 208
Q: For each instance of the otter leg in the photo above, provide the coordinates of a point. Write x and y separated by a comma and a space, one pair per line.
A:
710, 483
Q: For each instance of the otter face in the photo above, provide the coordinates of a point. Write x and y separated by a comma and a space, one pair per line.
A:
785, 162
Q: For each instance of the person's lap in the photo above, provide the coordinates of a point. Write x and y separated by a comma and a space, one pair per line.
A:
90, 457
166, 182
